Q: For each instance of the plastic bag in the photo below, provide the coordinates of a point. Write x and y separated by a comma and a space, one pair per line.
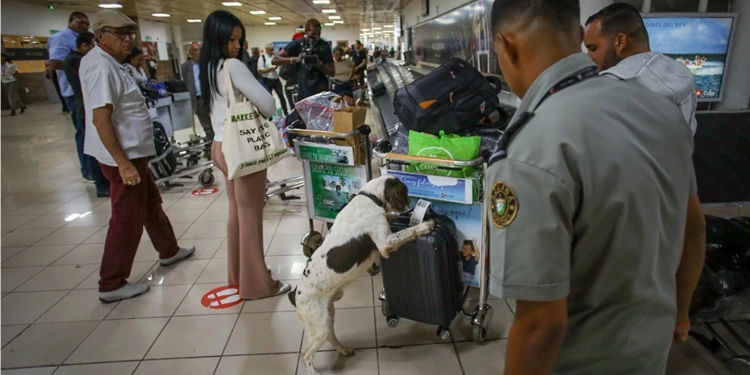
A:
317, 111
490, 137
399, 140
724, 287
445, 146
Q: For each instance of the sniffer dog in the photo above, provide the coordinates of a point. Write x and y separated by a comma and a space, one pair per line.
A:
360, 232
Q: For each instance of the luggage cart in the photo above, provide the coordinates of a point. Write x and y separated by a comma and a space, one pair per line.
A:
313, 239
481, 317
738, 363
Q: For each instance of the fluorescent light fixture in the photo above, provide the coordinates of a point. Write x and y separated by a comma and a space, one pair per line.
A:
334, 17
232, 4
194, 21
365, 30
160, 15
257, 12
388, 26
341, 22
377, 28
328, 10
110, 6
321, 1
270, 23
274, 18
328, 24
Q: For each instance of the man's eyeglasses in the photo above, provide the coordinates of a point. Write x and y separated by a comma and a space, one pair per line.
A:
121, 34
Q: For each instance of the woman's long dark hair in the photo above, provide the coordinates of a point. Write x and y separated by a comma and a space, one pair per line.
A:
136, 52
216, 34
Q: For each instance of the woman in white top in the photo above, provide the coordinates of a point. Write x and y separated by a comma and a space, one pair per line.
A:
223, 36
134, 65
10, 85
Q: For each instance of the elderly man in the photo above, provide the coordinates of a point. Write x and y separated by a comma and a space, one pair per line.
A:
191, 73
270, 75
120, 137
60, 46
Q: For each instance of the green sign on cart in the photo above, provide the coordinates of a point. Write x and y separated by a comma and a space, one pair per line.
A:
326, 153
332, 186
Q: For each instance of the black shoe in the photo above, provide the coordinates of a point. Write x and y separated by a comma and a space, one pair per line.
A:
12, 113
23, 109
102, 194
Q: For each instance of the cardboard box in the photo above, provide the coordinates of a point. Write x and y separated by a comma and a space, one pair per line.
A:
347, 120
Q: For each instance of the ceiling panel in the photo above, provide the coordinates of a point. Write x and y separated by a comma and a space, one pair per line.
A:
364, 13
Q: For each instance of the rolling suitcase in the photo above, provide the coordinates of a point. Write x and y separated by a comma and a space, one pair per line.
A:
422, 279
453, 97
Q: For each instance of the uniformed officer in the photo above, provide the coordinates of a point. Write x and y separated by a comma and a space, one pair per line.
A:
618, 42
588, 202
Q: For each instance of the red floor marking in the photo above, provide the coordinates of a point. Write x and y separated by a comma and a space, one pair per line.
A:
221, 298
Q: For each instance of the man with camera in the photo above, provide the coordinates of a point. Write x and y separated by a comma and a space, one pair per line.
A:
314, 60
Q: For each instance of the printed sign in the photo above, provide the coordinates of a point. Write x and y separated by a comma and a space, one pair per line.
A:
331, 186
221, 298
330, 154
205, 191
438, 188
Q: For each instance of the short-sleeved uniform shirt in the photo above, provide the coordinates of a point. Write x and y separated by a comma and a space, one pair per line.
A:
60, 46
311, 80
590, 205
104, 81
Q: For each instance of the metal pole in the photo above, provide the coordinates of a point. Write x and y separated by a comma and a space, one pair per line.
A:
702, 6
646, 6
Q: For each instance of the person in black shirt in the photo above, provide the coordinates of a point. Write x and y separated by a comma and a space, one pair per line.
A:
359, 58
315, 67
84, 44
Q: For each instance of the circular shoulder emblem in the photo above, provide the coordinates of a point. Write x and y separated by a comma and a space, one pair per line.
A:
504, 205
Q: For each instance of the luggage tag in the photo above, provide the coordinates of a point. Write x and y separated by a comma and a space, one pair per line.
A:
420, 211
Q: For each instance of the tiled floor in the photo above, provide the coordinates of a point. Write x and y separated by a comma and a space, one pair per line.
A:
52, 321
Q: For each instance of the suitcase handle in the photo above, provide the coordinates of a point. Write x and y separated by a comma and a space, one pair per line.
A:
421, 159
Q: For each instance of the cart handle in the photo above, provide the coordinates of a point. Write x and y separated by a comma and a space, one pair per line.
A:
421, 159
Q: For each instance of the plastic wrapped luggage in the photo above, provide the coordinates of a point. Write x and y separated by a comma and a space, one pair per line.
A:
723, 290
453, 97
422, 279
164, 163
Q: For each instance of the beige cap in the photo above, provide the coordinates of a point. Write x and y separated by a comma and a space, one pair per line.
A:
111, 18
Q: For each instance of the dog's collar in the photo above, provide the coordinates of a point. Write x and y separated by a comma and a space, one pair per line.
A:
373, 198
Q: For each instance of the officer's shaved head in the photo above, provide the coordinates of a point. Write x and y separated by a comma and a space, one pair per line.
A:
560, 14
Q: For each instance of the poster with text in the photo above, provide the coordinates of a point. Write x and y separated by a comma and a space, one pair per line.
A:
331, 186
701, 43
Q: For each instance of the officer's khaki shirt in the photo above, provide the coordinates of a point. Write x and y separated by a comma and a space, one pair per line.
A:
590, 205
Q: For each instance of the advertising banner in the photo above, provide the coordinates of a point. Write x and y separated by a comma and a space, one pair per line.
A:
326, 153
436, 188
330, 187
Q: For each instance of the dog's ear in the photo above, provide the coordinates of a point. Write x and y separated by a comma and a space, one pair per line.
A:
396, 194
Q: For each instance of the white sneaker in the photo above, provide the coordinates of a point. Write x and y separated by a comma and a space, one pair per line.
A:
185, 252
127, 291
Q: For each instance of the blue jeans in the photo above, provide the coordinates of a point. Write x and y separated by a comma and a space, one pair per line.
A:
80, 126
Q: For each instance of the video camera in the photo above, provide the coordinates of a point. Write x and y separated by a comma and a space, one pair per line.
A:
307, 54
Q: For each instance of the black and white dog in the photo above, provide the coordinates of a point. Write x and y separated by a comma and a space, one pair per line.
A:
360, 232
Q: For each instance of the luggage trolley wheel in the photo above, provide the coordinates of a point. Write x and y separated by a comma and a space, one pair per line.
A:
444, 334
311, 242
739, 365
206, 178
481, 323
392, 321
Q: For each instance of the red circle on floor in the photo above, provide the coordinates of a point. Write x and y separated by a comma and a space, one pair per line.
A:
221, 298
205, 191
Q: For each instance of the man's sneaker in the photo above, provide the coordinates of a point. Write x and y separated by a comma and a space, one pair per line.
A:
127, 291
185, 252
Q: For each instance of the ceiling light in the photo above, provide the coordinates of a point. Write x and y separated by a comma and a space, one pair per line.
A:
160, 15
257, 12
270, 23
338, 22
377, 28
232, 4
274, 18
334, 17
321, 1
329, 24
364, 30
110, 6
388, 26
329, 11
194, 21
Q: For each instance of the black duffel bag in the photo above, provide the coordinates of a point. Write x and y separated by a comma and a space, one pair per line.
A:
453, 97
175, 86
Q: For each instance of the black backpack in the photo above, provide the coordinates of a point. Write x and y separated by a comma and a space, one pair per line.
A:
164, 163
288, 71
453, 97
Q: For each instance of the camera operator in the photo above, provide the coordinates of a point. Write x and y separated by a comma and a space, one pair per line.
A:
314, 59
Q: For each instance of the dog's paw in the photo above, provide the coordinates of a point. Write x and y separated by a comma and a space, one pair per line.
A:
391, 217
346, 351
426, 227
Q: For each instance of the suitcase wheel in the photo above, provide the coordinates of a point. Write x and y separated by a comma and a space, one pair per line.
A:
206, 178
374, 269
444, 334
311, 242
392, 321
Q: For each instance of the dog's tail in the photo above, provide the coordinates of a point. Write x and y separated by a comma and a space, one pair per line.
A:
293, 296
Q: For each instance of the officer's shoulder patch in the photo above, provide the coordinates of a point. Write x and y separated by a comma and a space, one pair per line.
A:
504, 205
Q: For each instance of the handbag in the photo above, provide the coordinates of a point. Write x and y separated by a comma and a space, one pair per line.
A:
251, 143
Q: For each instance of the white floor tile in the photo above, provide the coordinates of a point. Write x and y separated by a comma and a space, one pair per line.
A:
25, 308
79, 305
485, 359
363, 362
354, 328
38, 256
69, 236
116, 368
281, 364
286, 267
184, 216
134, 338
11, 332
265, 333
191, 305
289, 244
215, 272
193, 336
160, 301
46, 221
293, 225
25, 237
31, 371
438, 359
83, 254
58, 278
9, 252
45, 344
270, 304
185, 272
183, 366
213, 215
211, 229
12, 278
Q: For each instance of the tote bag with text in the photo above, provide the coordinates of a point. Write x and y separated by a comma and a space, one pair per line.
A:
251, 143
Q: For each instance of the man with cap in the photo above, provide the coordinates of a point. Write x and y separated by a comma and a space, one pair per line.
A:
617, 41
588, 196
120, 137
